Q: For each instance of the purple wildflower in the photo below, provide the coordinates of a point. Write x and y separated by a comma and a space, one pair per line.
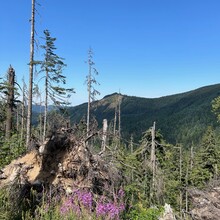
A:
86, 199
101, 209
69, 205
121, 193
109, 209
113, 210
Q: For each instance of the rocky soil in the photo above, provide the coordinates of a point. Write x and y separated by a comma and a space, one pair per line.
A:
206, 203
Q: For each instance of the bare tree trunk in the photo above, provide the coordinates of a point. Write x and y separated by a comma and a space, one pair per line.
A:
22, 121
10, 101
17, 119
23, 111
181, 196
153, 159
191, 158
115, 121
132, 170
186, 195
89, 98
119, 117
46, 106
41, 137
104, 134
29, 113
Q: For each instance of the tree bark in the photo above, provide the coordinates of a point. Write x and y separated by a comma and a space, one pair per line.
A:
23, 111
31, 65
10, 102
115, 120
119, 117
153, 159
89, 94
46, 106
104, 134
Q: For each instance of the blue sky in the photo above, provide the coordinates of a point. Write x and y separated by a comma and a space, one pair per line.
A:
147, 48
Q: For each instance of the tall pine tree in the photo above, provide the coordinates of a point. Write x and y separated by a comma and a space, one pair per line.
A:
206, 164
53, 66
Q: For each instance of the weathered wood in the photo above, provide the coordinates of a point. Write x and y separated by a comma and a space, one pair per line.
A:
31, 68
10, 101
153, 158
104, 134
119, 116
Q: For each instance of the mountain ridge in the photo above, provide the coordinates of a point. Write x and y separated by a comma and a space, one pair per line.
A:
181, 118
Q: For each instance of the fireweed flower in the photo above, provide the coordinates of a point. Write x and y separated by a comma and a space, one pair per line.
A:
101, 209
109, 209
104, 207
69, 205
86, 199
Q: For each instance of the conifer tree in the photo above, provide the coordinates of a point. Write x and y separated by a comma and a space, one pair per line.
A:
206, 160
52, 66
216, 107
8, 92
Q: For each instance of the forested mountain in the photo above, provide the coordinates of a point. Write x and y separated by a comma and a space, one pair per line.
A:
182, 118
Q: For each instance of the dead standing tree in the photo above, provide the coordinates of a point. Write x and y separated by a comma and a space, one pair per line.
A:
10, 101
31, 68
153, 160
90, 81
117, 133
23, 109
104, 134
119, 116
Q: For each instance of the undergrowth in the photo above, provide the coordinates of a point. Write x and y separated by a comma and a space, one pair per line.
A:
81, 204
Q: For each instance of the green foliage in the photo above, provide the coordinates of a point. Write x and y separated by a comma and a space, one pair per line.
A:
207, 160
2, 118
4, 205
13, 205
8, 101
136, 166
53, 66
171, 176
11, 149
138, 212
216, 107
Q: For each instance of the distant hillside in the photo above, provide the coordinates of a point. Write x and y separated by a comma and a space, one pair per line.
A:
182, 118
40, 109
37, 109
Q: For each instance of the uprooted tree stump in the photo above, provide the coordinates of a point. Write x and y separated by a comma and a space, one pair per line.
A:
63, 163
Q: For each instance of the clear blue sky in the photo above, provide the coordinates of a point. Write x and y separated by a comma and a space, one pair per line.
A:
147, 48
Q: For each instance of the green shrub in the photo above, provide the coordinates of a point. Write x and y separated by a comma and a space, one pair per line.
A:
138, 212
